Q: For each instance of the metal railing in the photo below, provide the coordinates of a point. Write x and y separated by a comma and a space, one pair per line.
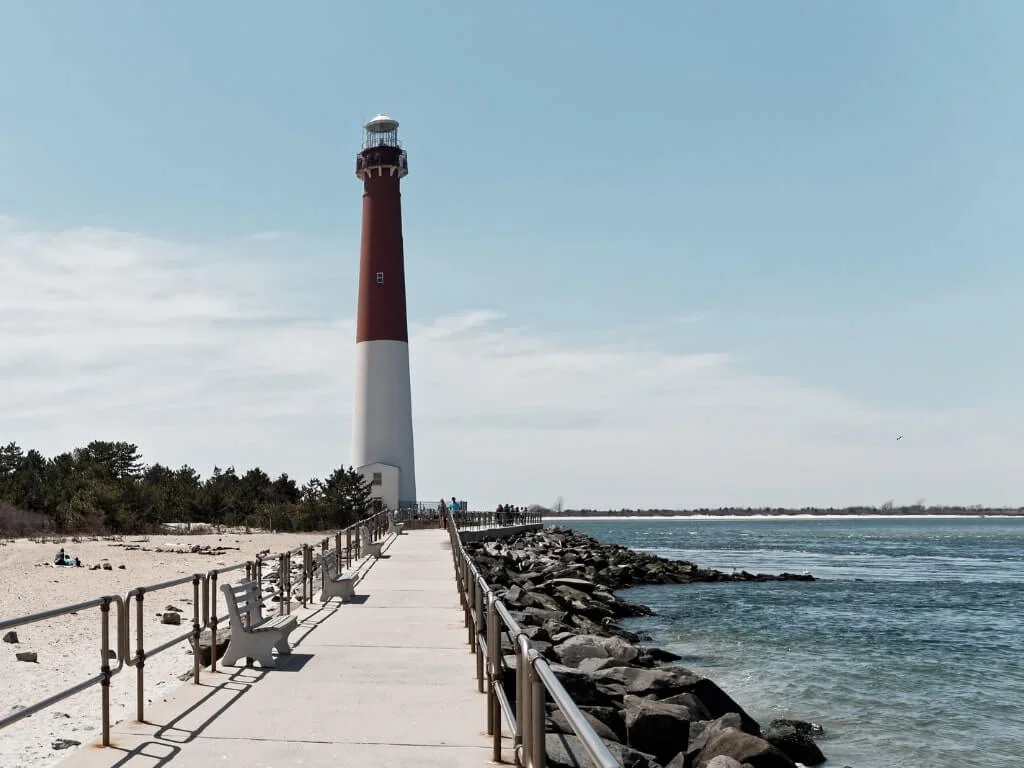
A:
486, 617
204, 616
476, 520
106, 673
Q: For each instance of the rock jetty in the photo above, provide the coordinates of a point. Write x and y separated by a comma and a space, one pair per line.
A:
652, 713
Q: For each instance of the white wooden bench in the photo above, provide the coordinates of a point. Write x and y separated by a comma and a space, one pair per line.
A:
368, 547
394, 529
262, 635
336, 583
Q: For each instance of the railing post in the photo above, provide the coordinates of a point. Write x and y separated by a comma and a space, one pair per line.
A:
469, 612
105, 667
213, 620
195, 628
538, 740
522, 696
282, 575
493, 677
140, 663
325, 547
478, 628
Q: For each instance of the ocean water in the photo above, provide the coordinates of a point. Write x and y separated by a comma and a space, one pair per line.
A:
908, 650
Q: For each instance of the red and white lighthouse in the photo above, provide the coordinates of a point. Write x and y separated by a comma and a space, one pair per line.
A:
382, 444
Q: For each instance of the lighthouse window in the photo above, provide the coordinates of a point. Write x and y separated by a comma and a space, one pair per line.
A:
377, 479
380, 278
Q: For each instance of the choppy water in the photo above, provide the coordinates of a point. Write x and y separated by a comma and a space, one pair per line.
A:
909, 650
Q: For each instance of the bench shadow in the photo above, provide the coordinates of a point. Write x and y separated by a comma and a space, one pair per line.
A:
291, 662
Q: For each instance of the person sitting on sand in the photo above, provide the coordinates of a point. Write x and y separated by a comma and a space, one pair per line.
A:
59, 560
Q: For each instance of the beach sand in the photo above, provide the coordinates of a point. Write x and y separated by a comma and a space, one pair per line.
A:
68, 647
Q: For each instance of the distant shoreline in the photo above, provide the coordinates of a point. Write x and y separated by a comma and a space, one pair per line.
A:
1002, 514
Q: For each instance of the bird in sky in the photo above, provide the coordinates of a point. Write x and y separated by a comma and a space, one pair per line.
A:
899, 438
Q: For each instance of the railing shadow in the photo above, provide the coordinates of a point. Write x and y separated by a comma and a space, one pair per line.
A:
242, 680
144, 757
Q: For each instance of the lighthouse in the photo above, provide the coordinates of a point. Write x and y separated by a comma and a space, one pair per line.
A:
382, 444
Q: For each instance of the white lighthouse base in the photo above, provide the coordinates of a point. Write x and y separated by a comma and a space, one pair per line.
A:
382, 412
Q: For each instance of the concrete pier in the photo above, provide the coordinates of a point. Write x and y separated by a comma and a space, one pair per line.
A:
385, 680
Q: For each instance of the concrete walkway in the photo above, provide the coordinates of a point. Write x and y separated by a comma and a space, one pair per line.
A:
386, 680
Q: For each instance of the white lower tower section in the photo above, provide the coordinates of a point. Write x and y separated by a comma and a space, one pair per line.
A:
382, 412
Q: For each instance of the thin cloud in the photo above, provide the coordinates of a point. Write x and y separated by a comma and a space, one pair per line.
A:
195, 353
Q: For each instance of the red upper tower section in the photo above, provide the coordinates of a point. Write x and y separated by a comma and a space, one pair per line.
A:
381, 165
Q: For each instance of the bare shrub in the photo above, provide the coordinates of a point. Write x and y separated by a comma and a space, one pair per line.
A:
15, 521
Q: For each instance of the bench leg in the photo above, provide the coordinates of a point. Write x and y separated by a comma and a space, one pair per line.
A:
282, 646
230, 657
343, 588
257, 648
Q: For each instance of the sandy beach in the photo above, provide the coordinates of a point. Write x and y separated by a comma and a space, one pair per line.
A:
68, 647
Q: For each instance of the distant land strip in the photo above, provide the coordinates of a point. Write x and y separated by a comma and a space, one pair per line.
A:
883, 511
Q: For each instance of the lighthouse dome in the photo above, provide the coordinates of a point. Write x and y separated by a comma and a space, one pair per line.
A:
381, 124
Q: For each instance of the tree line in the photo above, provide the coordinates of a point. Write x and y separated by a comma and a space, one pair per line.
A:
106, 487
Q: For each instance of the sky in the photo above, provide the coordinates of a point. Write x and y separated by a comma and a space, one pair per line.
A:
662, 254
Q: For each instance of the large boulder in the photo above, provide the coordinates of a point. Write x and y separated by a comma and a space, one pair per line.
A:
660, 729
610, 716
695, 707
542, 601
597, 664
743, 748
642, 682
796, 741
580, 647
588, 690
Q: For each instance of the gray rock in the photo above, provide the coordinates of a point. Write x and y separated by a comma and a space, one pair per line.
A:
171, 618
561, 724
580, 584
565, 751
26, 656
595, 664
700, 732
610, 716
641, 682
542, 601
11, 637
795, 740
587, 690
695, 706
744, 748
660, 729
802, 726
724, 761
575, 649
65, 743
